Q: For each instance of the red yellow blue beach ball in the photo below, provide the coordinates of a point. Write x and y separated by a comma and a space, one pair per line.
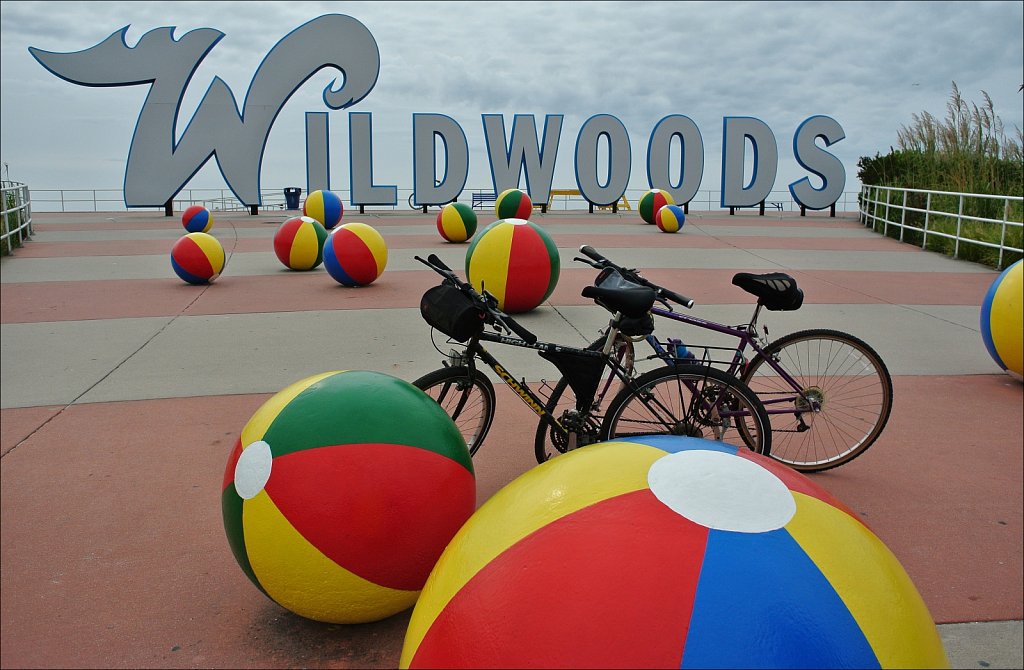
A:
456, 222
670, 218
299, 243
197, 219
516, 261
1002, 319
651, 201
335, 510
513, 204
324, 206
355, 254
670, 552
198, 258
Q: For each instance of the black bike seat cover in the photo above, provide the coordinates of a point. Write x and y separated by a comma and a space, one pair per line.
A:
777, 291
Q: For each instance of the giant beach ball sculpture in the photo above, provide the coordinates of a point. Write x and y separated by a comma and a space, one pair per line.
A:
1002, 320
651, 201
336, 510
516, 261
456, 222
198, 258
197, 219
513, 204
299, 243
324, 206
669, 552
670, 218
355, 254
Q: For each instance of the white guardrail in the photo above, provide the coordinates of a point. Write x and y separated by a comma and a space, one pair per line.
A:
16, 216
943, 214
107, 200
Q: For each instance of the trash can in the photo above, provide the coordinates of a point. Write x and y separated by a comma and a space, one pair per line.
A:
291, 197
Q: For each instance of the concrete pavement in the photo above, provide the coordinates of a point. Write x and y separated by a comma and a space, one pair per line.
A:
122, 390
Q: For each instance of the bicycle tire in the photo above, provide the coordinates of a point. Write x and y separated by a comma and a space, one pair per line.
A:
855, 407
466, 396
548, 443
661, 402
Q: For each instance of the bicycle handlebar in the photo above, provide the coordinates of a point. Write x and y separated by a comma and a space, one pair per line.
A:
486, 300
634, 276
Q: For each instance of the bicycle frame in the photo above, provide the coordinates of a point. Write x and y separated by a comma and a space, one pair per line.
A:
747, 336
474, 350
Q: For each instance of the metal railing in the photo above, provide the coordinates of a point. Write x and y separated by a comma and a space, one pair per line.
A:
106, 200
16, 216
963, 218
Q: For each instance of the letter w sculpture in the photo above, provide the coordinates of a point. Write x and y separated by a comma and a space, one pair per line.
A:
159, 165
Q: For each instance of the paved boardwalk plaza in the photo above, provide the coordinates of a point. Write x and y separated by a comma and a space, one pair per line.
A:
124, 389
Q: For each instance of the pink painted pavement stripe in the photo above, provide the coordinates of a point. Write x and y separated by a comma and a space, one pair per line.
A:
35, 302
640, 240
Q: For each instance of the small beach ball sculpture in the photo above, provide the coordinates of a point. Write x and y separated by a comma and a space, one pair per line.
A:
334, 509
669, 552
513, 204
670, 218
299, 243
456, 222
198, 258
516, 261
651, 201
197, 219
355, 254
1002, 320
324, 206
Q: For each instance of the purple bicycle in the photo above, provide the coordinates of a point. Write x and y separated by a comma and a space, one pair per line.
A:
827, 393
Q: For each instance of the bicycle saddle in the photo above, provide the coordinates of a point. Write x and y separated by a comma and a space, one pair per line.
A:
631, 300
777, 291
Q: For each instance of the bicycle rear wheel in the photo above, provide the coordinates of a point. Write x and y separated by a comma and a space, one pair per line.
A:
585, 428
848, 380
694, 400
468, 398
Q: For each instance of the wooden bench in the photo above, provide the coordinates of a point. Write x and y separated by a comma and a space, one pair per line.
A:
480, 199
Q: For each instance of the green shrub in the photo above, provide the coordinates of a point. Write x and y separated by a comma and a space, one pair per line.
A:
966, 152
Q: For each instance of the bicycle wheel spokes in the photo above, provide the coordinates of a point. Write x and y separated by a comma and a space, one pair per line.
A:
846, 401
693, 401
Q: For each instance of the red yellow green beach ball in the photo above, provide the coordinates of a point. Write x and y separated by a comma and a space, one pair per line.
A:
513, 204
336, 510
651, 201
456, 222
670, 552
198, 258
355, 254
516, 261
1002, 319
299, 243
324, 206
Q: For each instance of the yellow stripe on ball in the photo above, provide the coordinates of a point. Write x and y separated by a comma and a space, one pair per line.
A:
623, 469
297, 576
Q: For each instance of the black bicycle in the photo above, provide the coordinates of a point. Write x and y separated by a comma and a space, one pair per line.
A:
677, 399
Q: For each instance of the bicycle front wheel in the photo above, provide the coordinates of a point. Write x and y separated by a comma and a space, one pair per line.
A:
467, 397
694, 400
843, 376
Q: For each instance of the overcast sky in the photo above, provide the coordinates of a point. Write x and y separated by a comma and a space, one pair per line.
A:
870, 66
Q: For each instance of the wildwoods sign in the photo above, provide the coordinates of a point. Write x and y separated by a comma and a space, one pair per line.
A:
160, 163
